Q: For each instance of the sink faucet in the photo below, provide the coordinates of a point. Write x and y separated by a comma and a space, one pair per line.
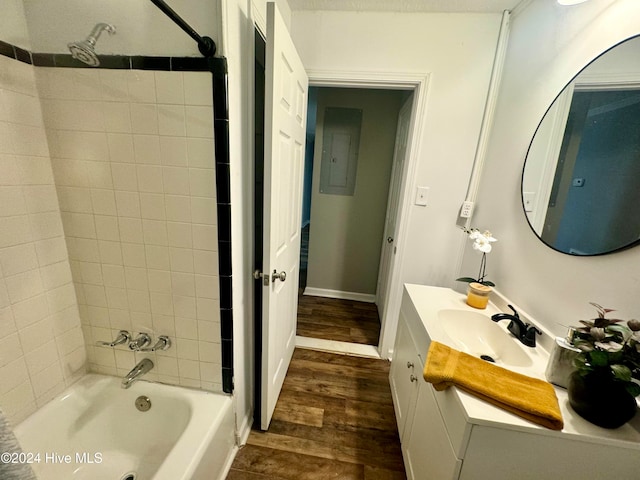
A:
136, 372
522, 331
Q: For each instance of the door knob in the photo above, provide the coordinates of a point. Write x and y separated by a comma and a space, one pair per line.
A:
389, 239
282, 276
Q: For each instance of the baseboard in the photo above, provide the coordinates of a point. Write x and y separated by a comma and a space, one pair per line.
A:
324, 292
244, 430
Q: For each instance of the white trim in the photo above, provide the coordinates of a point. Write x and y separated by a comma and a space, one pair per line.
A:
358, 79
418, 82
324, 292
242, 432
333, 346
489, 111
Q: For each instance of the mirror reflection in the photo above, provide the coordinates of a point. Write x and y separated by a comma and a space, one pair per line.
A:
581, 180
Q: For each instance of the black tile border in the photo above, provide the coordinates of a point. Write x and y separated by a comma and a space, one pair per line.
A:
217, 66
119, 62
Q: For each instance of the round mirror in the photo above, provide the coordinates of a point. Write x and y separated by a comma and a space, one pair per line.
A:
581, 179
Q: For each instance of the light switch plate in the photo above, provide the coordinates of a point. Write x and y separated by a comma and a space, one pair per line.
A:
422, 196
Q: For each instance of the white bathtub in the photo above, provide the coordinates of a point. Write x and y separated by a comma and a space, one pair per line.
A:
94, 431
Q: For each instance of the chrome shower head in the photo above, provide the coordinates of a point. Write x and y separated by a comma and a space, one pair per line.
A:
85, 50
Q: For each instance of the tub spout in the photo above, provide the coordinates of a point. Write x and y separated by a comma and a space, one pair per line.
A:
136, 372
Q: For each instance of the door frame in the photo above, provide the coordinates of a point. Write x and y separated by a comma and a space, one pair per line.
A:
418, 83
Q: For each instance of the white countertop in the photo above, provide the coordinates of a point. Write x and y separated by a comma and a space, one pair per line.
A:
429, 300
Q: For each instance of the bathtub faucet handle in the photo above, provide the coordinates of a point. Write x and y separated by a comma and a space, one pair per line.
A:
141, 341
123, 337
163, 343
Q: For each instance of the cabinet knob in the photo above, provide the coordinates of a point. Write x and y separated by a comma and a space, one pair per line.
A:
413, 378
409, 364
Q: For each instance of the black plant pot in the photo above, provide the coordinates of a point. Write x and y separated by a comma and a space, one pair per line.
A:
599, 399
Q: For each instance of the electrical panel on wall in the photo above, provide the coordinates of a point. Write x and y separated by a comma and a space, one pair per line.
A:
340, 144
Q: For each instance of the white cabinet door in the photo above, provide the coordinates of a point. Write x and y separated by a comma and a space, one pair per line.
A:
427, 451
404, 374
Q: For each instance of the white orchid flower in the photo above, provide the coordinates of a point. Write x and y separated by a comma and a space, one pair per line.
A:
482, 241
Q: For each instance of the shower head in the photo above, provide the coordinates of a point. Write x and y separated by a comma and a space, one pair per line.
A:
85, 50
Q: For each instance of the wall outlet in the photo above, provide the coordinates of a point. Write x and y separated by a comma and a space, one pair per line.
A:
422, 196
466, 210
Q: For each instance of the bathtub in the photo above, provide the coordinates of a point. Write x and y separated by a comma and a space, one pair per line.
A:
94, 430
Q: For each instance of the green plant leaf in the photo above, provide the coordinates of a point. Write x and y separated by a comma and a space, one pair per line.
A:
622, 329
598, 358
633, 388
466, 279
488, 283
621, 372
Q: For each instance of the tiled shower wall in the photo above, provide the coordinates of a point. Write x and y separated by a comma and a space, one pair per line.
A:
133, 159
41, 344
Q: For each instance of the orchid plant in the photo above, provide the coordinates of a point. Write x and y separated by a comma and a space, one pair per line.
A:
482, 243
610, 345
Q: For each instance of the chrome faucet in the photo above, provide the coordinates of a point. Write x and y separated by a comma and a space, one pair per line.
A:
136, 372
522, 331
141, 341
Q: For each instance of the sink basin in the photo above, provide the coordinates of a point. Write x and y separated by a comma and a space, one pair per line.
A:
478, 335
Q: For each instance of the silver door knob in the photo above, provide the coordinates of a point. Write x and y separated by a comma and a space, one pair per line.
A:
282, 276
389, 239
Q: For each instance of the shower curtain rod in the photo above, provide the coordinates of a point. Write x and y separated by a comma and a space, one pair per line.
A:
206, 45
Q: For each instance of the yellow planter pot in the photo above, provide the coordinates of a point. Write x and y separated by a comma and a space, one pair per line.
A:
478, 295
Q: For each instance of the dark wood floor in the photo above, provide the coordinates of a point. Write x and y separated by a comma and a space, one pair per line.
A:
334, 319
334, 420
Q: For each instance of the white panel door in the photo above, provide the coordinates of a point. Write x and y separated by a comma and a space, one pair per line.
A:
397, 172
285, 123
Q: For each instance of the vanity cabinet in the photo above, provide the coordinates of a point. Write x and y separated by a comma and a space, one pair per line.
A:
451, 435
426, 449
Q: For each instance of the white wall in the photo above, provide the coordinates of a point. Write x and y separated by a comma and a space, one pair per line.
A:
41, 346
549, 44
142, 29
456, 50
13, 24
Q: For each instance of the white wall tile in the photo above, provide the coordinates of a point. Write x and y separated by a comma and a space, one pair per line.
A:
176, 180
203, 210
144, 118
120, 147
170, 87
137, 186
107, 227
178, 208
173, 151
103, 201
199, 121
124, 176
141, 85
172, 120
147, 149
128, 204
149, 178
117, 117
18, 259
152, 206
198, 89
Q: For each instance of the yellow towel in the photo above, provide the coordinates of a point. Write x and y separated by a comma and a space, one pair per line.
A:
524, 396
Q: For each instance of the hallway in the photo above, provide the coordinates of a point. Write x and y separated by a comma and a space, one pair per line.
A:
336, 319
334, 419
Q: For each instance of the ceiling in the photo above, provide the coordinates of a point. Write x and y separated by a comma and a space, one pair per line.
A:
479, 6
